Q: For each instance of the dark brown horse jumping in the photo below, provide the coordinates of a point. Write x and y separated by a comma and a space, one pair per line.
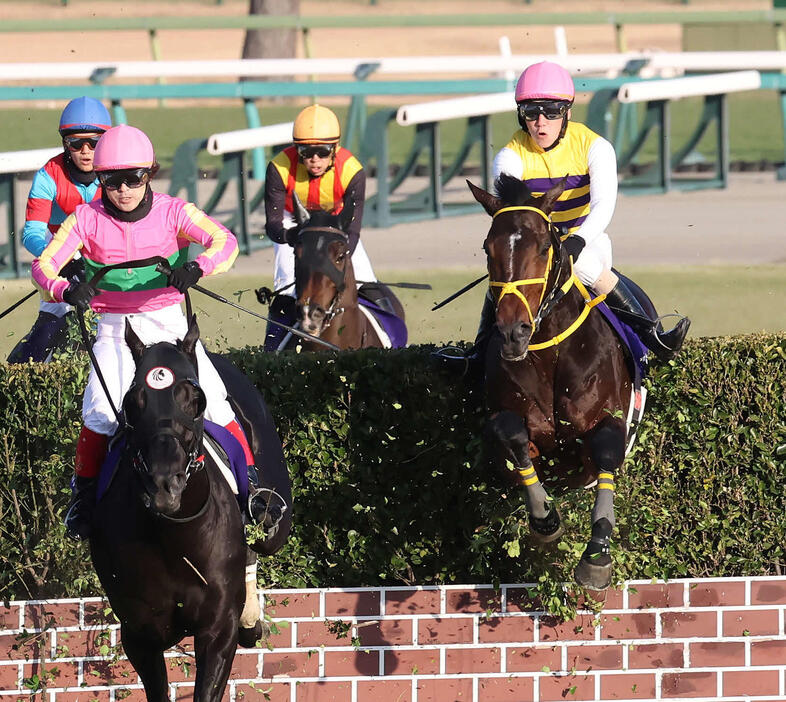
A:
557, 383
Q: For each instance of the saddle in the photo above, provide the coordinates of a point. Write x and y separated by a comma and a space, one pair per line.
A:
219, 443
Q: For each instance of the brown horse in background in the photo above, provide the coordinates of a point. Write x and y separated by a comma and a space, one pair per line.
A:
557, 383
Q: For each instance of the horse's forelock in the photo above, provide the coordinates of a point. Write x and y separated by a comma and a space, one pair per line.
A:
320, 218
511, 190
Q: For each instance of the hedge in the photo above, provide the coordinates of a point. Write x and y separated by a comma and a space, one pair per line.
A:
392, 485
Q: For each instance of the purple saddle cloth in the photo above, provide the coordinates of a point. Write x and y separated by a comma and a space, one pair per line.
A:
394, 326
228, 443
637, 352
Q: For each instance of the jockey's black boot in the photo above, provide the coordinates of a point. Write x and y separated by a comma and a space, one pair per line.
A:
265, 508
665, 345
472, 363
282, 309
48, 333
79, 517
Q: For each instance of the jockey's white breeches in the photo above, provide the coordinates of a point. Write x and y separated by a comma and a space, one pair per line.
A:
593, 260
284, 267
58, 309
118, 368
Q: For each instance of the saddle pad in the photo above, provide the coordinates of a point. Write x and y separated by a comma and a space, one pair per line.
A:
394, 327
232, 463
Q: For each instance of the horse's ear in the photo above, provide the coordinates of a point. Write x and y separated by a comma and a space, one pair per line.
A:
551, 196
346, 216
134, 343
490, 203
301, 213
190, 339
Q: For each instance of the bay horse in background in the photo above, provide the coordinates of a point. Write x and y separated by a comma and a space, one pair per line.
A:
167, 540
328, 305
558, 385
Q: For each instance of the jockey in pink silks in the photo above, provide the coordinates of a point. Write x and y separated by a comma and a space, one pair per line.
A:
131, 222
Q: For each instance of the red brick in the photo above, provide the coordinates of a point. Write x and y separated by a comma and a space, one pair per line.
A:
384, 691
181, 669
582, 628
130, 694
82, 696
300, 664
768, 652
48, 614
78, 644
752, 622
395, 632
595, 657
717, 654
558, 688
323, 692
279, 605
411, 662
9, 616
658, 655
473, 660
721, 593
353, 604
522, 599
185, 693
56, 674
689, 624
20, 697
750, 683
246, 665
764, 592
628, 625
262, 691
460, 601
626, 686
348, 663
315, 634
504, 689
280, 635
529, 658
99, 614
24, 646
9, 677
699, 685
412, 602
656, 595
119, 672
444, 690
609, 599
444, 631
506, 629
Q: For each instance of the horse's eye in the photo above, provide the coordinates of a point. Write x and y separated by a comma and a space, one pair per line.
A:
486, 248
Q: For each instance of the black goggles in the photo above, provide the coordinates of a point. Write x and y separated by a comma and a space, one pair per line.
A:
76, 143
530, 111
311, 150
133, 178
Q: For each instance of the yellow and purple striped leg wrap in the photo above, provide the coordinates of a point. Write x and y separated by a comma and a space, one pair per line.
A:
606, 481
529, 475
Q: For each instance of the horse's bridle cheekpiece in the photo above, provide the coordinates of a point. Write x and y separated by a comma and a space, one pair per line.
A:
546, 302
322, 264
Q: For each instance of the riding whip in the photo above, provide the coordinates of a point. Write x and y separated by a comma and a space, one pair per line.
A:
18, 302
460, 292
412, 286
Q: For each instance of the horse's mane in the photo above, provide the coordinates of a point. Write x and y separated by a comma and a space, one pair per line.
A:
511, 190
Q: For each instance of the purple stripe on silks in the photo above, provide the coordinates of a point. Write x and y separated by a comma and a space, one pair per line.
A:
394, 326
571, 223
633, 346
541, 185
562, 205
237, 458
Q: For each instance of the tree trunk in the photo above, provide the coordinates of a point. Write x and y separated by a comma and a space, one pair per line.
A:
271, 43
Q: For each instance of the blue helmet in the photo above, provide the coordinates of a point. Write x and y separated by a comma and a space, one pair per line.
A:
84, 114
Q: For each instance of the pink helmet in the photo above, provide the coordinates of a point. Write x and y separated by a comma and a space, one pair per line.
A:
123, 147
545, 81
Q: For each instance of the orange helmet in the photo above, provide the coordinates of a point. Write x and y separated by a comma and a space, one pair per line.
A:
316, 125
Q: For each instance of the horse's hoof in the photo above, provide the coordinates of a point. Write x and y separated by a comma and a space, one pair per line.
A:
547, 530
595, 573
247, 638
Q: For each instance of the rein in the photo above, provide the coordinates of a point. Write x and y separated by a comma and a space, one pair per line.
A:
546, 303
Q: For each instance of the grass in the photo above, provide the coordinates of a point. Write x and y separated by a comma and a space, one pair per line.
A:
31, 129
720, 300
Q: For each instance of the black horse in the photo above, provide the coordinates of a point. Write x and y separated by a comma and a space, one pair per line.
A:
167, 539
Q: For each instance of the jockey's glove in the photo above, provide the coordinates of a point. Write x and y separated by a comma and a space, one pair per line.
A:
75, 268
573, 246
292, 234
79, 294
183, 277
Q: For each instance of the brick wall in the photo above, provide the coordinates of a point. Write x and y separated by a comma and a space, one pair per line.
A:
712, 639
